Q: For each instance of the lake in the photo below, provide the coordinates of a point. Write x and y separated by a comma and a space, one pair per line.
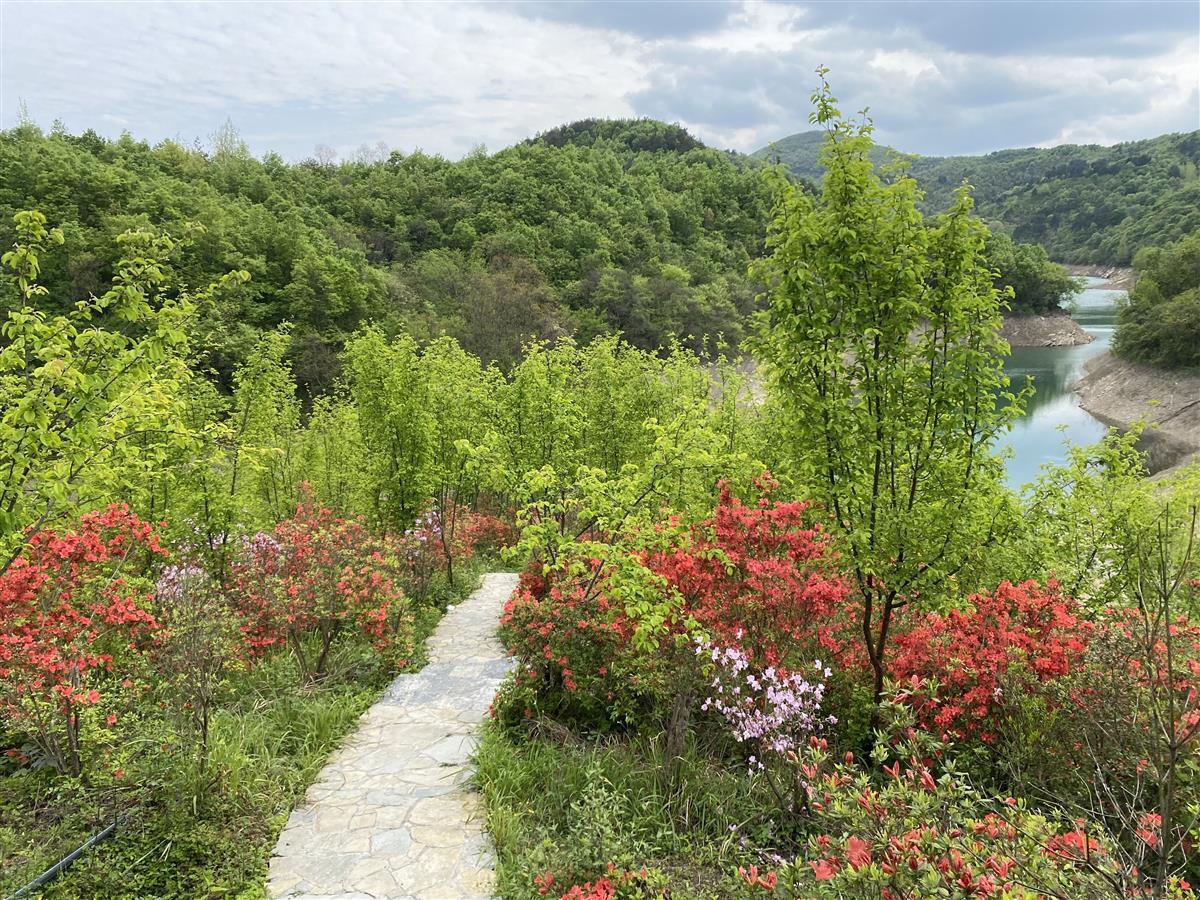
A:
1054, 416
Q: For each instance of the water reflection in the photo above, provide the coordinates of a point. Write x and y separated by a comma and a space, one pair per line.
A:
1053, 414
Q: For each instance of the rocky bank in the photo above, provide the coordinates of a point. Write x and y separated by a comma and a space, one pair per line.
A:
1120, 393
1115, 277
1055, 329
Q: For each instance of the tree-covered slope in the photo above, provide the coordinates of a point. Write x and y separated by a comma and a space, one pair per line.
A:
1161, 322
1084, 204
632, 227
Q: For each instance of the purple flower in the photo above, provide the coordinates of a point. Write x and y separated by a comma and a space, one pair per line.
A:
775, 714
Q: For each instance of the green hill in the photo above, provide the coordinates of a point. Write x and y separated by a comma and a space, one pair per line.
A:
630, 226
1083, 203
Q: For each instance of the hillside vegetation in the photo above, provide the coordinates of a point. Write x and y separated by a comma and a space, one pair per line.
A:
587, 230
1083, 204
599, 226
1161, 322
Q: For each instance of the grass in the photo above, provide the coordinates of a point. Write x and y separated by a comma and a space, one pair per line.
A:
559, 803
187, 833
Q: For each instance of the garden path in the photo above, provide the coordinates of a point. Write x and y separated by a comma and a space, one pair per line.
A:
391, 815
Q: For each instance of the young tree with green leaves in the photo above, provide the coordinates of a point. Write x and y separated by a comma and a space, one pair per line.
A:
333, 457
91, 398
459, 392
387, 386
265, 422
881, 345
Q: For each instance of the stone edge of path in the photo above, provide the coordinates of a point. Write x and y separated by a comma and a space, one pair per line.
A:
392, 815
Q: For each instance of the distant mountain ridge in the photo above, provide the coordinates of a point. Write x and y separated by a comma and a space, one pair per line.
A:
1083, 203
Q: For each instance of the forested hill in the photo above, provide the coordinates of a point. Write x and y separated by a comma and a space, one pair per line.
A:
634, 135
599, 226
1084, 204
587, 229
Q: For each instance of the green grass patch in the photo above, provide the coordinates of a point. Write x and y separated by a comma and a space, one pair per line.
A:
570, 806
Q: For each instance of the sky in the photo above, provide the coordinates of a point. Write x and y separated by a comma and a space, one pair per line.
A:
361, 77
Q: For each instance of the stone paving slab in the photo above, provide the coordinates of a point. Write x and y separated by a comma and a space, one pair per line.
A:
391, 817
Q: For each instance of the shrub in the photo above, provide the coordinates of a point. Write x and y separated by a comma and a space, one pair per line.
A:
910, 825
488, 534
576, 651
316, 577
966, 654
758, 577
201, 645
423, 550
1118, 739
754, 578
74, 620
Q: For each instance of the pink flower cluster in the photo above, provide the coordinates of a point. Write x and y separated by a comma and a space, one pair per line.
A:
772, 710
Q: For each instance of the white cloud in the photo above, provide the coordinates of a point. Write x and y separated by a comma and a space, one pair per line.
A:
440, 69
447, 76
905, 63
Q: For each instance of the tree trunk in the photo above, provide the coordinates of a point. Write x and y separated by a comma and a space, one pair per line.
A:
677, 728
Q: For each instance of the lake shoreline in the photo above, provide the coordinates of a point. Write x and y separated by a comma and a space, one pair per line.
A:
1120, 393
1117, 278
1056, 329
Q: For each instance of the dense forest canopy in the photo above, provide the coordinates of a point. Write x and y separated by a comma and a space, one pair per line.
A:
1083, 204
630, 134
588, 235
595, 227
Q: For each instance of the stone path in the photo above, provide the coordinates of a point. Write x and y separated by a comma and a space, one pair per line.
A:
390, 815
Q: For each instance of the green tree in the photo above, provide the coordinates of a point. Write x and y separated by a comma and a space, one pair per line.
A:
1160, 324
90, 399
882, 346
1038, 285
334, 458
459, 391
266, 430
392, 401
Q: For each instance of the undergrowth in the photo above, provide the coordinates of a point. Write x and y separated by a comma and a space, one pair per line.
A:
560, 803
186, 833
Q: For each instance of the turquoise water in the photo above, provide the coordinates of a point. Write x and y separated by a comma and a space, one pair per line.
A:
1053, 417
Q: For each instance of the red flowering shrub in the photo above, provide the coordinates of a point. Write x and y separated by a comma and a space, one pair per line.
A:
758, 577
484, 533
252, 593
1171, 672
967, 654
1125, 738
614, 884
575, 648
73, 615
315, 577
754, 577
904, 829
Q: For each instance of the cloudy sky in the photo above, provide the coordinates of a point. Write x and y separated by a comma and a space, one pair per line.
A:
939, 78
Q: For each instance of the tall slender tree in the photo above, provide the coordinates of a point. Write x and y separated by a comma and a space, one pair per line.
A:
881, 344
